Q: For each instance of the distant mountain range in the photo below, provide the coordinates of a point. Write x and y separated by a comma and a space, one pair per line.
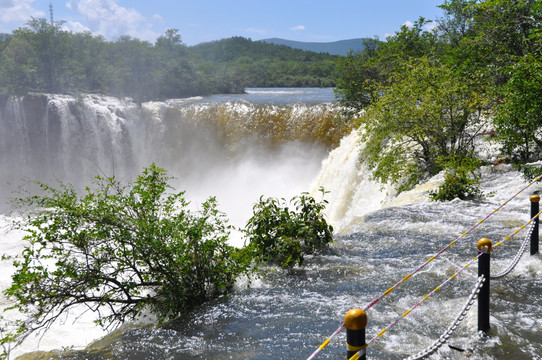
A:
341, 47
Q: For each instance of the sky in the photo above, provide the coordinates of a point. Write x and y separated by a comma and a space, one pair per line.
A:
208, 20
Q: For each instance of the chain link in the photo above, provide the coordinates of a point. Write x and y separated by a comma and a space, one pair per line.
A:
444, 337
518, 256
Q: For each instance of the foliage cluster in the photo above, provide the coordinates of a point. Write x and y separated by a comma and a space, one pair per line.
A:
42, 57
282, 232
460, 181
424, 96
124, 250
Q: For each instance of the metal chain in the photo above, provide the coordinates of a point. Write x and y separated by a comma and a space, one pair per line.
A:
444, 337
399, 283
372, 303
518, 256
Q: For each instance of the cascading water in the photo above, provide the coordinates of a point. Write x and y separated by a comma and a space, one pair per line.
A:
380, 237
352, 193
233, 149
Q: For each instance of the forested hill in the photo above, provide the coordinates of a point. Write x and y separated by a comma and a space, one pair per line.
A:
341, 47
231, 49
43, 57
258, 64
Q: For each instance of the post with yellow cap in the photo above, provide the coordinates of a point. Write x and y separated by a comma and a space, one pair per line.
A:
535, 209
355, 322
484, 246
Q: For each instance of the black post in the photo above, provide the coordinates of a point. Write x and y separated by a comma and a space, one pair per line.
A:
484, 246
535, 209
355, 322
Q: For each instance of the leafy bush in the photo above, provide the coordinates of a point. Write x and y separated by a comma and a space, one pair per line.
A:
119, 250
460, 181
279, 235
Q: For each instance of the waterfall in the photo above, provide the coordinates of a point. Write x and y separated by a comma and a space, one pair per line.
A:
236, 150
62, 138
239, 150
352, 192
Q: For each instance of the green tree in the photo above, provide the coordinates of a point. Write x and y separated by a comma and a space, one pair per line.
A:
131, 69
487, 37
48, 43
518, 117
456, 24
360, 76
505, 44
503, 30
43, 57
174, 71
424, 119
119, 250
426, 93
86, 63
17, 73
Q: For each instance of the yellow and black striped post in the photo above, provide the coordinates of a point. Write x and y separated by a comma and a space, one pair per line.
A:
355, 322
484, 246
535, 209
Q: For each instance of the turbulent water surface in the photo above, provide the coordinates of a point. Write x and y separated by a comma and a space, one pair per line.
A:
279, 142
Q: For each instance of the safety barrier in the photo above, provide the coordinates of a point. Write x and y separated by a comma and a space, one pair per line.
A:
356, 319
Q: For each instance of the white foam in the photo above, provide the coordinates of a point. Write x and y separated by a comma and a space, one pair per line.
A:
352, 192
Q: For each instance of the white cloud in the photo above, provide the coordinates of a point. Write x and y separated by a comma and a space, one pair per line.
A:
75, 26
158, 18
298, 28
430, 26
111, 20
14, 11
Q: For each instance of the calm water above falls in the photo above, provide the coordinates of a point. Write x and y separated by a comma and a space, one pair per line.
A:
278, 96
381, 238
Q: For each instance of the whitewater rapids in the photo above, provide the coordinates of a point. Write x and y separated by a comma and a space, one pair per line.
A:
380, 236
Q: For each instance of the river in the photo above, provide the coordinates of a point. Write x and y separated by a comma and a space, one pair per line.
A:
279, 142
